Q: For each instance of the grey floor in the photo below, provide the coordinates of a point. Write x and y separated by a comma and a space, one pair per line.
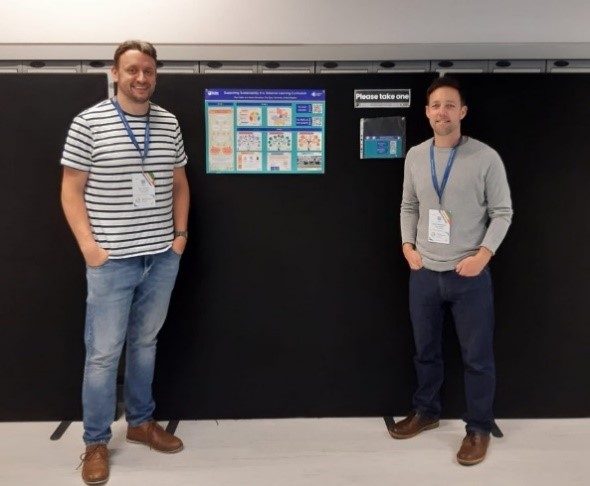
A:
306, 452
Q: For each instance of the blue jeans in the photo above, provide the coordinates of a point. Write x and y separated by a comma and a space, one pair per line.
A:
470, 301
127, 302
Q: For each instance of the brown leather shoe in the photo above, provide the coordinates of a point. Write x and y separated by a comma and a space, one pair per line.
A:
155, 437
95, 463
473, 449
411, 426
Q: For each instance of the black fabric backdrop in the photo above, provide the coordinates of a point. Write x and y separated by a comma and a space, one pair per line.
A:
42, 284
292, 295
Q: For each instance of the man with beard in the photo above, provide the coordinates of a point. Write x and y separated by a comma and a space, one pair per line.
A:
455, 212
125, 196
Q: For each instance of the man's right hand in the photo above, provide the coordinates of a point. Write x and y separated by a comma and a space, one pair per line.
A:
412, 256
95, 256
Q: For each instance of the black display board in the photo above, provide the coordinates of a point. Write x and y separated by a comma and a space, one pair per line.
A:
292, 299
540, 126
292, 296
42, 284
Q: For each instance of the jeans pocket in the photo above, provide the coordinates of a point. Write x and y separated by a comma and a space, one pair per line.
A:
91, 267
174, 253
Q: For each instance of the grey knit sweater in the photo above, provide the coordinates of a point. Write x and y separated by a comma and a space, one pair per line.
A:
477, 195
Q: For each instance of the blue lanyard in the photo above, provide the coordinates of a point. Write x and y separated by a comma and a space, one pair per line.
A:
440, 189
146, 137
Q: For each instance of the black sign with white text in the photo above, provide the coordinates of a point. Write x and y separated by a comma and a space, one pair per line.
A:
382, 98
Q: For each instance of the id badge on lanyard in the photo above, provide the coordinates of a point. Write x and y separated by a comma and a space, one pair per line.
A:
144, 184
439, 220
439, 226
144, 191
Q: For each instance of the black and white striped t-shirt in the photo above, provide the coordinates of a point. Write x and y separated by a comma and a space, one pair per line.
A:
99, 144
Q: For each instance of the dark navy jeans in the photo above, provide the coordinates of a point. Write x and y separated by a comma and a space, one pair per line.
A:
470, 301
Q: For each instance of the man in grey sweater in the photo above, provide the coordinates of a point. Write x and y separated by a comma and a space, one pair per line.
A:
455, 212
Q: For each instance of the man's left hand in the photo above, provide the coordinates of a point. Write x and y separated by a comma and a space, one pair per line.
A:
473, 265
178, 245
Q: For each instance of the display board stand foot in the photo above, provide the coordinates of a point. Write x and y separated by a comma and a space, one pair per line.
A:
61, 428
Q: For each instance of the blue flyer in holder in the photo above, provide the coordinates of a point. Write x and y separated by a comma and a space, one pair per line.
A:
383, 137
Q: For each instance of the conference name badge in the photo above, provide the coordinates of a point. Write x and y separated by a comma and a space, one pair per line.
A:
439, 226
144, 191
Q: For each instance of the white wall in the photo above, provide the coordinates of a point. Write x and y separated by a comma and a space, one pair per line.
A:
298, 29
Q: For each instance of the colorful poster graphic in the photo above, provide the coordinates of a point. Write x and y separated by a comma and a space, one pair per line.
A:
265, 131
279, 116
249, 117
220, 138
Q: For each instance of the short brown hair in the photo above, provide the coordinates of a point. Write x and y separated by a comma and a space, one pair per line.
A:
445, 82
135, 45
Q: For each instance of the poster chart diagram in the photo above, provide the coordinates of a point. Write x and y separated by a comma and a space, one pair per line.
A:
265, 131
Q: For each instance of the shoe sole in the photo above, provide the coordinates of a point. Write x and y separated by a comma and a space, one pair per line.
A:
409, 436
153, 448
470, 462
92, 483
